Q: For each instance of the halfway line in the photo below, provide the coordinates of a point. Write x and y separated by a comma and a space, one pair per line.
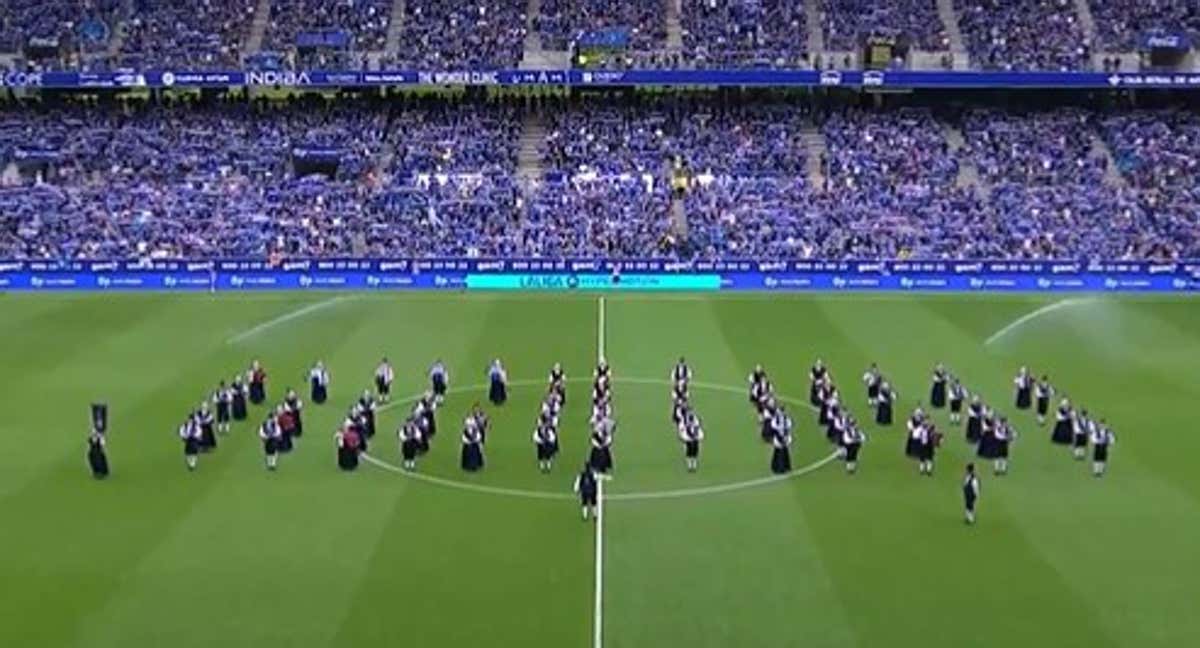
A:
286, 317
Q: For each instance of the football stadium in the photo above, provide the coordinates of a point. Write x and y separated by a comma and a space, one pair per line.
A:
590, 323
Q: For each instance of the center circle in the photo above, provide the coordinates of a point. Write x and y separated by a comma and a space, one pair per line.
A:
384, 452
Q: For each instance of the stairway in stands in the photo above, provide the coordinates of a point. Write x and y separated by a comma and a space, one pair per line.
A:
816, 31
529, 155
674, 25
958, 47
1112, 175
258, 28
535, 57
395, 28
815, 149
968, 173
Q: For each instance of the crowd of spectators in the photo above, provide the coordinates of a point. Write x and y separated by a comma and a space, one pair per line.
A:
1120, 24
1024, 35
693, 178
462, 34
82, 25
365, 22
199, 34
847, 23
767, 33
560, 22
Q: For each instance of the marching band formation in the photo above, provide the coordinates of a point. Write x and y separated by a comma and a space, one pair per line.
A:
988, 432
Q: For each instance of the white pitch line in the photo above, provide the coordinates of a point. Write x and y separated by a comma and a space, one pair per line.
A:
598, 611
1026, 318
286, 317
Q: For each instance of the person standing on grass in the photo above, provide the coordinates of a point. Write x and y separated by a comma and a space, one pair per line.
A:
691, 433
287, 428
937, 392
914, 425
257, 376
1064, 424
682, 373
958, 394
587, 488
1043, 391
425, 411
293, 404
270, 435
816, 377
970, 489
1102, 438
545, 441
975, 420
384, 376
410, 442
766, 419
439, 379
222, 398
1004, 435
97, 455
189, 433
237, 404
318, 381
208, 435
347, 442
558, 383
471, 458
872, 379
366, 409
781, 442
1082, 431
498, 383
1024, 388
851, 442
884, 405
601, 459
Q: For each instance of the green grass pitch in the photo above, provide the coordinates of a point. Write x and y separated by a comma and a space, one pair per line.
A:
232, 555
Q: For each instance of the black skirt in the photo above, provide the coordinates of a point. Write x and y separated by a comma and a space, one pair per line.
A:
1079, 440
781, 461
587, 497
767, 432
284, 444
823, 415
270, 445
239, 408
1043, 406
1023, 399
347, 458
258, 393
601, 460
298, 427
925, 451
1100, 452
956, 406
320, 393
546, 451
1001, 449
1062, 432
873, 391
208, 440
912, 447
852, 451
989, 447
472, 457
691, 449
974, 429
498, 393
814, 396
368, 424
937, 395
98, 462
191, 446
883, 413
439, 385
222, 412
410, 448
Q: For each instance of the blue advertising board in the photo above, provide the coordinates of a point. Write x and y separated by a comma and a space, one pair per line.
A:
890, 79
599, 275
